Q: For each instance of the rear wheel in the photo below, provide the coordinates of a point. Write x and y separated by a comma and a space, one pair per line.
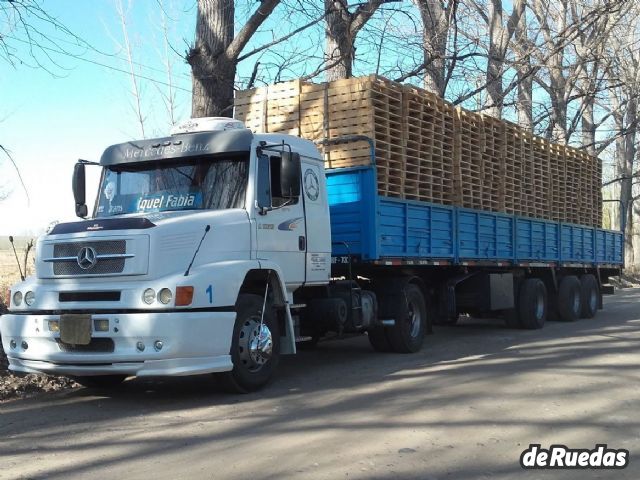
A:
569, 304
407, 334
255, 347
589, 293
532, 304
100, 381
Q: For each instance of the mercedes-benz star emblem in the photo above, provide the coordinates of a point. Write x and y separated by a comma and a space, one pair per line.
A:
87, 258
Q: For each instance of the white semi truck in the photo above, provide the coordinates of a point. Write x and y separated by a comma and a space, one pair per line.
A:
215, 250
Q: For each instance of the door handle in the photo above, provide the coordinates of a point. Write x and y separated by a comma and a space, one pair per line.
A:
302, 243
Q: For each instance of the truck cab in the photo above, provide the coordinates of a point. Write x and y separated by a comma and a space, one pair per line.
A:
187, 264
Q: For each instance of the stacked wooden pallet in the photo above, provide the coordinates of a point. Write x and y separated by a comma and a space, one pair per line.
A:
429, 145
369, 106
426, 149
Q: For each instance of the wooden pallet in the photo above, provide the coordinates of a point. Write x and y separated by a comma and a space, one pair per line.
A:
426, 149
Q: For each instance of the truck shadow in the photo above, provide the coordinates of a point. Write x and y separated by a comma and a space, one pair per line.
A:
328, 388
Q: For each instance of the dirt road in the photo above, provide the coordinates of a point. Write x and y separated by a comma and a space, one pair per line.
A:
464, 408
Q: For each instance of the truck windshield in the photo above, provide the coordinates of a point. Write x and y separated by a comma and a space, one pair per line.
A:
198, 183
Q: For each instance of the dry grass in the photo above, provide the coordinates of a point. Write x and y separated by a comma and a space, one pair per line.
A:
18, 386
9, 273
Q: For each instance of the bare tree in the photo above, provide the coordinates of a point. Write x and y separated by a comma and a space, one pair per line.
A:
499, 37
523, 67
342, 27
214, 56
436, 16
135, 87
28, 23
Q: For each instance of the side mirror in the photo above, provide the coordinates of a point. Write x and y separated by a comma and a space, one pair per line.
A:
263, 185
290, 174
79, 190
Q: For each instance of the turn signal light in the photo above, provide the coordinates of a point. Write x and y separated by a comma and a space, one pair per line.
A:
184, 296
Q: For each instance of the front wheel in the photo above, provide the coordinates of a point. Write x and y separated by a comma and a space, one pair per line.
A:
255, 347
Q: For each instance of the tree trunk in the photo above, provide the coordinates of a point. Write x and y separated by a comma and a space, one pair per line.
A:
213, 71
339, 48
525, 77
435, 29
495, 62
626, 187
588, 122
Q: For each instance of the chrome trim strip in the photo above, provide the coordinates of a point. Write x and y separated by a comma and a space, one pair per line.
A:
113, 256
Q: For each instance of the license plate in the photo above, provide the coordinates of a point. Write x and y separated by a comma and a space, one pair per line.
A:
75, 329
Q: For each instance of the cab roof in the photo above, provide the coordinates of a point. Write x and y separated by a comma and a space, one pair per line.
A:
178, 146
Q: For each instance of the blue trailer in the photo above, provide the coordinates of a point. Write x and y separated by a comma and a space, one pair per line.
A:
464, 260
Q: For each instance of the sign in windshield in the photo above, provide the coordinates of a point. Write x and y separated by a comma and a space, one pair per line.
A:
193, 184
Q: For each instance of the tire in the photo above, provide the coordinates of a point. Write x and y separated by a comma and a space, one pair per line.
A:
569, 303
378, 339
589, 296
254, 364
407, 335
532, 304
100, 381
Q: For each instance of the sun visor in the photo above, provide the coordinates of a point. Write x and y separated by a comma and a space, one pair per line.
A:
186, 145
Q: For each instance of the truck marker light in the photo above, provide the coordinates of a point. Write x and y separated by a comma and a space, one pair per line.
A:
13, 344
184, 296
29, 298
149, 296
54, 326
101, 325
165, 296
24, 345
157, 345
140, 346
17, 298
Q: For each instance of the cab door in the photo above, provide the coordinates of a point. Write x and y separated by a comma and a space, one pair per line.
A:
314, 195
280, 222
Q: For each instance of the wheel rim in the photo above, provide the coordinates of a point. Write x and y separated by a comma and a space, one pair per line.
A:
414, 319
255, 344
539, 305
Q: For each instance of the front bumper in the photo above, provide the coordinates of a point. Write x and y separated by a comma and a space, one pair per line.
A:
192, 343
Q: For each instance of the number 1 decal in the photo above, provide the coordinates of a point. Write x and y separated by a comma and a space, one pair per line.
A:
210, 292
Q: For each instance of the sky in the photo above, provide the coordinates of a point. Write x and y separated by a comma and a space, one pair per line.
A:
49, 121
81, 101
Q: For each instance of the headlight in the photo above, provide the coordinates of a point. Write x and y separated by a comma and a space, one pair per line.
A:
29, 298
165, 296
149, 296
17, 298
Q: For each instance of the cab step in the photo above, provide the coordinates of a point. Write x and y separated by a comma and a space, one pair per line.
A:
297, 306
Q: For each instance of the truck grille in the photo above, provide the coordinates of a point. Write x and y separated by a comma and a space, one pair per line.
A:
65, 257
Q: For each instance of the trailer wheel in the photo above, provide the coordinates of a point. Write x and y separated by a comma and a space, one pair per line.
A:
100, 381
569, 304
407, 335
378, 339
589, 293
255, 350
532, 304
